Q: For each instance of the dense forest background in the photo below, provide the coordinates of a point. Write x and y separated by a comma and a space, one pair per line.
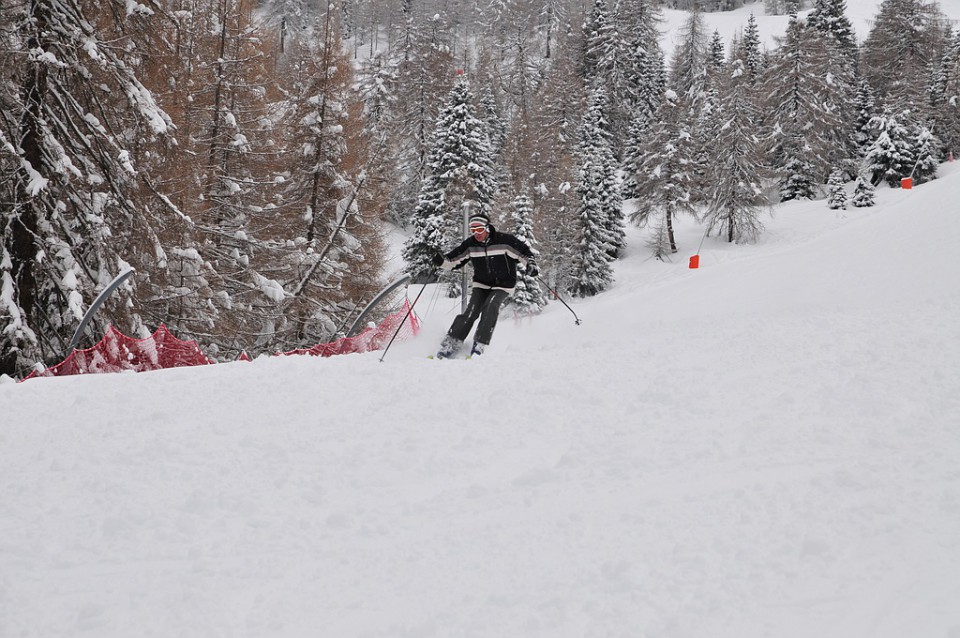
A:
247, 158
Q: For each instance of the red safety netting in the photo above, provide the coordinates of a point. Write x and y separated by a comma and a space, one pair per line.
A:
117, 352
373, 338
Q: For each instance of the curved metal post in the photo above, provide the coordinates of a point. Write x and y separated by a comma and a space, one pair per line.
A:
104, 294
373, 304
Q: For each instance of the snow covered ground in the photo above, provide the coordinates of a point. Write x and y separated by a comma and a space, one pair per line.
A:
766, 446
730, 24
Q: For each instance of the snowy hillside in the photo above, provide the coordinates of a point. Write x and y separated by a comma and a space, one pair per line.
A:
766, 446
730, 24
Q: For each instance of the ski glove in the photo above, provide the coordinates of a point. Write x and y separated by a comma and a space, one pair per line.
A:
532, 269
437, 260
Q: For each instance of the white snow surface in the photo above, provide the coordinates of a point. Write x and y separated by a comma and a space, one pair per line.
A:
764, 447
730, 24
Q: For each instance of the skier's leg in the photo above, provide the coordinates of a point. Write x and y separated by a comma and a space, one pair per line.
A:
488, 317
464, 322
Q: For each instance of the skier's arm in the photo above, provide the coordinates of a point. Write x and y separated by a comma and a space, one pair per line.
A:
521, 247
457, 257
526, 258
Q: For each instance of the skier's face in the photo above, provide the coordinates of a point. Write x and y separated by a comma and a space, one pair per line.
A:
479, 231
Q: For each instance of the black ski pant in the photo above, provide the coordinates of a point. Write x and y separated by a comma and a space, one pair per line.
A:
484, 303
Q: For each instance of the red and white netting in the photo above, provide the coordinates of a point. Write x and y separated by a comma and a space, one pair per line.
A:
117, 352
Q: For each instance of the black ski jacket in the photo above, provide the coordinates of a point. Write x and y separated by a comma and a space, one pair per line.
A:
494, 261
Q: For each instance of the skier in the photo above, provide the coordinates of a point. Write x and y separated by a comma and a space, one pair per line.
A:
494, 256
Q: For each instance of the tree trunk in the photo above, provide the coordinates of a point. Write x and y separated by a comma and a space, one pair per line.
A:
26, 224
670, 237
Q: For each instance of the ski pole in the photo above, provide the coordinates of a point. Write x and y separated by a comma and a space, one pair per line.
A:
560, 299
409, 310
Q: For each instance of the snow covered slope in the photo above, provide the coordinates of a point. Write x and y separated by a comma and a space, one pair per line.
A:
766, 446
730, 24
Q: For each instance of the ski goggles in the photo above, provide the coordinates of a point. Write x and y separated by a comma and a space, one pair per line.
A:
478, 228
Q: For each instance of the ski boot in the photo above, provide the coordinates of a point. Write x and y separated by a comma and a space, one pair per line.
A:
449, 347
477, 349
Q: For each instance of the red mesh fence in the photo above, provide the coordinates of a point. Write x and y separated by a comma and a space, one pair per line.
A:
373, 338
117, 352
